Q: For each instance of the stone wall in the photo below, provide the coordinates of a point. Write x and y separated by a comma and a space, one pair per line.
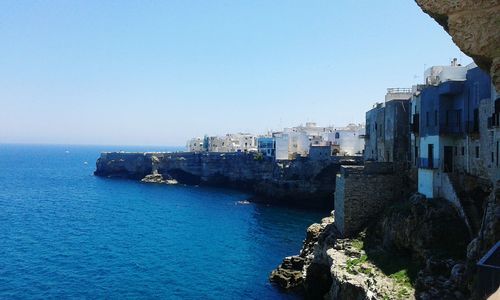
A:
397, 130
387, 132
380, 136
362, 193
371, 136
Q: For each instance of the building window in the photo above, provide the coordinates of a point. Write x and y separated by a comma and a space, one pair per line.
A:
497, 154
337, 135
475, 123
427, 118
477, 151
416, 155
456, 150
463, 150
430, 156
492, 157
435, 118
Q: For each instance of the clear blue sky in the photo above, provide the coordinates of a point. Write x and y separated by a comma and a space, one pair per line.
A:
159, 72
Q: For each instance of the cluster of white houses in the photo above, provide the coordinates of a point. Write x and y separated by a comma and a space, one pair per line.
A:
233, 142
448, 125
300, 141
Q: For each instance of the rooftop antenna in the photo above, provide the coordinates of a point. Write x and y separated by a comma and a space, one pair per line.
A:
425, 67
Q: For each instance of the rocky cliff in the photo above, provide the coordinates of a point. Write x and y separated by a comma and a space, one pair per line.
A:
474, 26
303, 182
416, 249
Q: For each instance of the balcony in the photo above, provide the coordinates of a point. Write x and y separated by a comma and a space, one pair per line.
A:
451, 129
399, 90
450, 88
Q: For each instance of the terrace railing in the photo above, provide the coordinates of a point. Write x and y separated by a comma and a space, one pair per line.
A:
398, 90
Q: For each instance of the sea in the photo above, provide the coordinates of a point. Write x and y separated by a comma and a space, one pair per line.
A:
67, 234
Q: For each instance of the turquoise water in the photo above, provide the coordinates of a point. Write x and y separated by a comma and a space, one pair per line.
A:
65, 233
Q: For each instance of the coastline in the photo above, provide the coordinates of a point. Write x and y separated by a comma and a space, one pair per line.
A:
302, 183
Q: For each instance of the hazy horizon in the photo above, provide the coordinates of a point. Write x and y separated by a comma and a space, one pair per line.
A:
157, 74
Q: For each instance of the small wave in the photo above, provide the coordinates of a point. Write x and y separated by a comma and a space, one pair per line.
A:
244, 202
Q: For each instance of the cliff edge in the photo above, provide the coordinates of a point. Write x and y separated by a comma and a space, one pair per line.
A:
410, 252
302, 182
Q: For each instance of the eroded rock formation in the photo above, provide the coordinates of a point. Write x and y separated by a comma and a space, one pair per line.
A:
474, 26
289, 274
415, 250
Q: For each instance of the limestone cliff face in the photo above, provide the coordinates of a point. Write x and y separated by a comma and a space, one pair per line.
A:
304, 182
124, 165
474, 26
424, 228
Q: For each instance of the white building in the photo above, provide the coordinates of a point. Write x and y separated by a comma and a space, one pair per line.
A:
350, 139
195, 145
296, 141
287, 144
233, 142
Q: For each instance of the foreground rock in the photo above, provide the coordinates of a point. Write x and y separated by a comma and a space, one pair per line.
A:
414, 251
290, 273
353, 273
335, 268
442, 279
